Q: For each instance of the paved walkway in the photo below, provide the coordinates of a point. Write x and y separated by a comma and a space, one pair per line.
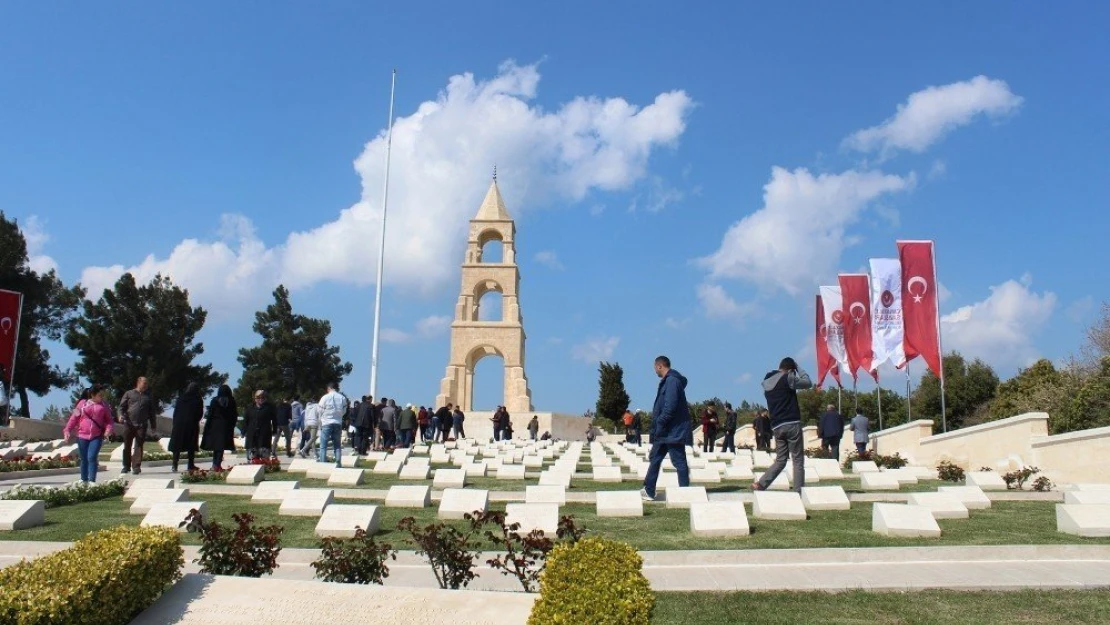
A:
879, 569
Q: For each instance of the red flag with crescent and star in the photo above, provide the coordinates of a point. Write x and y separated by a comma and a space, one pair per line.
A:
826, 362
11, 304
856, 290
920, 305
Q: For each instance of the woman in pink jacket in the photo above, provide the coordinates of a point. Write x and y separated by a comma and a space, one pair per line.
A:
92, 419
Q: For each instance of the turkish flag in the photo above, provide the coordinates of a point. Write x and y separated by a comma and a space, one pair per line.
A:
856, 291
11, 304
826, 363
920, 304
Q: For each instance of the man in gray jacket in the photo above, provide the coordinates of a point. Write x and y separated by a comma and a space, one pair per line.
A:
136, 411
861, 426
780, 388
388, 424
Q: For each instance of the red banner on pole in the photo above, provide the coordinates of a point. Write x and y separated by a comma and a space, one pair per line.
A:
856, 291
826, 363
920, 304
11, 305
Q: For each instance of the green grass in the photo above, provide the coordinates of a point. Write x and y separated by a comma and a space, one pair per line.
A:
1007, 523
108, 448
929, 607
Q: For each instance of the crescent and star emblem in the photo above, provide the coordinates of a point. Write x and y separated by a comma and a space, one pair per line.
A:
852, 311
924, 288
6, 325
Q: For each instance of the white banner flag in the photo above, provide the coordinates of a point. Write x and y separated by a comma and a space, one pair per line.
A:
834, 324
887, 325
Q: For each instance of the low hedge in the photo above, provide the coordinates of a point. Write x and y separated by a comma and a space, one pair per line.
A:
106, 578
77, 492
595, 581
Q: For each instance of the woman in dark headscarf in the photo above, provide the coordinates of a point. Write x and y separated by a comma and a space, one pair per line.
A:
186, 425
219, 429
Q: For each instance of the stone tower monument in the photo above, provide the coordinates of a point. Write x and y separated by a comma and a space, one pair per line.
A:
472, 339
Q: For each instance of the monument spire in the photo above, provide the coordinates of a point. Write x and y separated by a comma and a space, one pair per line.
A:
493, 206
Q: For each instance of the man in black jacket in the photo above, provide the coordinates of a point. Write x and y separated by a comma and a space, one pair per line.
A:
364, 425
780, 388
259, 423
729, 444
283, 417
830, 429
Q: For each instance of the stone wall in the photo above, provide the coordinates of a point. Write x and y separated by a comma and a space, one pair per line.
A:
904, 439
23, 429
985, 444
561, 426
1082, 456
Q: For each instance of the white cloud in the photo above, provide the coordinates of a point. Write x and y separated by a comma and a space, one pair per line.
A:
744, 378
719, 304
796, 238
426, 328
931, 113
596, 350
676, 324
1000, 329
938, 169
658, 196
549, 259
433, 326
442, 157
34, 233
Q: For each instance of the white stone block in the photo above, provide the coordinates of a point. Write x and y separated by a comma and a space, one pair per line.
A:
533, 516
421, 461
777, 506
864, 466
555, 478
400, 455
533, 462
1091, 487
603, 461
147, 499
300, 465
459, 501
273, 491
306, 502
387, 467
138, 486
319, 470
341, 520
345, 477
972, 497
942, 505
621, 503
249, 474
704, 476
1086, 520
173, 514
417, 472
408, 497
449, 478
348, 461
1087, 497
545, 494
511, 472
742, 473
985, 480
825, 498
827, 469
903, 476
762, 459
903, 521
725, 519
923, 473
665, 481
607, 474
475, 469
878, 481
20, 514
682, 497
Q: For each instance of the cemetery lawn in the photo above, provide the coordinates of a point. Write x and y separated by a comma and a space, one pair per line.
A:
926, 607
1007, 523
108, 448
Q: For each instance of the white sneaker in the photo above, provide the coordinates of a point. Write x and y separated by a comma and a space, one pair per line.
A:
645, 496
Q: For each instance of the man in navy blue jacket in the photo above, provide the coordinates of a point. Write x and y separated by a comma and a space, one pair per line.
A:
830, 429
780, 388
670, 428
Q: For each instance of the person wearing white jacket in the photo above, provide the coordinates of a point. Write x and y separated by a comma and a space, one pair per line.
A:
311, 428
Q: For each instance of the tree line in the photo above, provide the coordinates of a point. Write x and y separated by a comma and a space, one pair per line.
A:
133, 330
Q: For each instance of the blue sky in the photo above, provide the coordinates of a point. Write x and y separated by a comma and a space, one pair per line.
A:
682, 178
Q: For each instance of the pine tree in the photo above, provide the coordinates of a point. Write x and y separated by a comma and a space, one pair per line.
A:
294, 357
147, 331
968, 387
49, 307
1091, 406
612, 399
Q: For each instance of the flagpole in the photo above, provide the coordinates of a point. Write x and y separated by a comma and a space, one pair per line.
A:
880, 398
940, 342
909, 414
855, 394
381, 248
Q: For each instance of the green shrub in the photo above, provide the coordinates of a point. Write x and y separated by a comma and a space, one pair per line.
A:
950, 472
1042, 484
358, 560
36, 464
446, 549
78, 492
248, 551
1016, 479
106, 578
198, 476
595, 581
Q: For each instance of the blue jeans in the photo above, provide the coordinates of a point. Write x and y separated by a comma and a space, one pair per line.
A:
89, 457
659, 451
330, 433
